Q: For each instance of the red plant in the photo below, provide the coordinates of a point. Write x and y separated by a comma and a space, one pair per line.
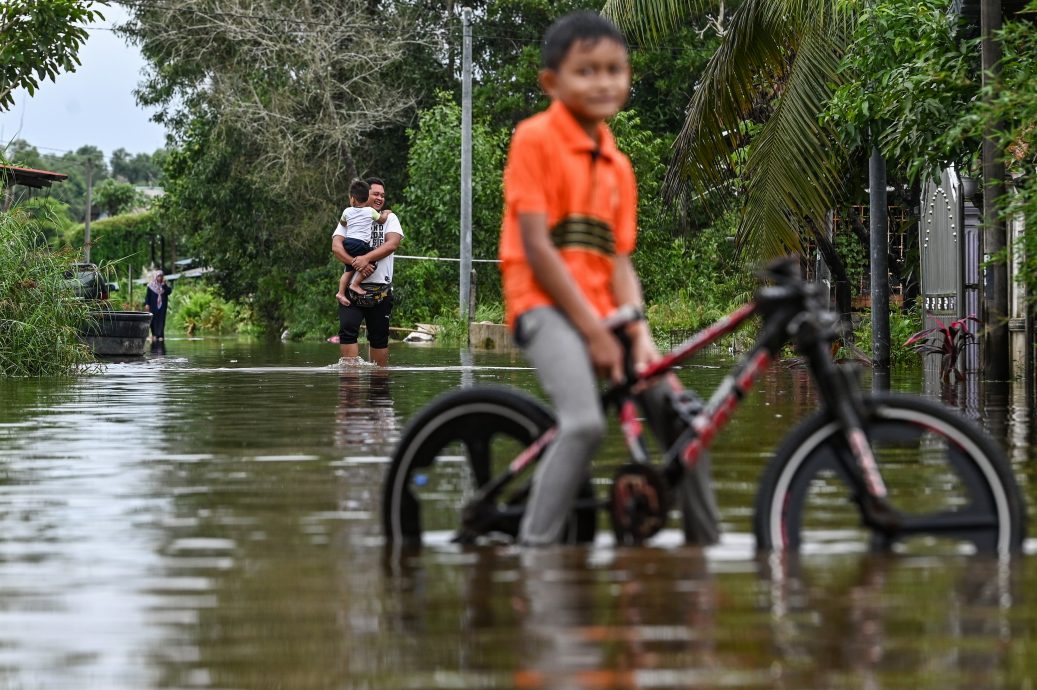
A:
946, 340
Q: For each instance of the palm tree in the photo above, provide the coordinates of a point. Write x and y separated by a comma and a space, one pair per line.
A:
777, 62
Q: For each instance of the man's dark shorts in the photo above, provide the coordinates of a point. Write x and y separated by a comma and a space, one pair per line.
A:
376, 317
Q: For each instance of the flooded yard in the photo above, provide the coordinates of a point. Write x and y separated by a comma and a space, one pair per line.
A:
208, 518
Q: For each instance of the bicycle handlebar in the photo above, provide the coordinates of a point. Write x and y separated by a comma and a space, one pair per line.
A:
623, 315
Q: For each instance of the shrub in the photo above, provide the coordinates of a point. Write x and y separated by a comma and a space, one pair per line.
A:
40, 318
196, 308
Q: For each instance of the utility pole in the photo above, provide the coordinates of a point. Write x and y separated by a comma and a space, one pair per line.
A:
878, 222
994, 349
89, 206
466, 162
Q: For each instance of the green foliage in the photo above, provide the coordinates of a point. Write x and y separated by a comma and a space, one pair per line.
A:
50, 216
855, 257
903, 323
1013, 104
710, 280
688, 280
40, 318
123, 238
431, 214
40, 39
115, 197
312, 310
912, 78
257, 238
195, 308
140, 168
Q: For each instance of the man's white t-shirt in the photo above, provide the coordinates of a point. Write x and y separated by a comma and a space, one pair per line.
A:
383, 271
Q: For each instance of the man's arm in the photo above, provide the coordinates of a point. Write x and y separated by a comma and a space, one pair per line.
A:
392, 242
553, 276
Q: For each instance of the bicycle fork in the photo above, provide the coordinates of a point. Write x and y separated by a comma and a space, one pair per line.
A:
840, 390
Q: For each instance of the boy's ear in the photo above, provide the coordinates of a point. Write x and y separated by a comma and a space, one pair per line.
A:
548, 81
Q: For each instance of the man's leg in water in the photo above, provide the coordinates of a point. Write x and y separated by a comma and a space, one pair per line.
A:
349, 318
564, 370
377, 319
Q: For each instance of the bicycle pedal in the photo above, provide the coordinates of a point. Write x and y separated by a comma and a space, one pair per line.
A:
637, 503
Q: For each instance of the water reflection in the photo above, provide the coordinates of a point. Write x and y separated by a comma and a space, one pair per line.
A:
209, 519
854, 620
365, 416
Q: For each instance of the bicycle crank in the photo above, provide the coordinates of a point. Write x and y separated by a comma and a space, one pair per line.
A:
637, 503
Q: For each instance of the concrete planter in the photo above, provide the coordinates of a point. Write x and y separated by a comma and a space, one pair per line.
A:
117, 333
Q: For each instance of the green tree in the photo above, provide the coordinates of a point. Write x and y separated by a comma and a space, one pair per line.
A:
259, 238
39, 39
911, 76
114, 197
300, 82
141, 168
432, 211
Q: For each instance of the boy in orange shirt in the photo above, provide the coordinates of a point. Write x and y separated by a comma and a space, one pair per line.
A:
570, 225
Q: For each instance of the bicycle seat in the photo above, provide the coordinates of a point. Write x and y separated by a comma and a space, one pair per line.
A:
782, 271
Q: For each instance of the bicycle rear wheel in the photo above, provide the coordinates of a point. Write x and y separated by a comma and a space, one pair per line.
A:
458, 443
949, 483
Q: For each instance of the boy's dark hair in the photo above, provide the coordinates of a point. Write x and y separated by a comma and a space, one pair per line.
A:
576, 26
359, 190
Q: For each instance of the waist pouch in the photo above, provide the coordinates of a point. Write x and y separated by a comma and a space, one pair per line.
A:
375, 294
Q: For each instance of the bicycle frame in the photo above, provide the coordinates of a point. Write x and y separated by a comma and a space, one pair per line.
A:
789, 315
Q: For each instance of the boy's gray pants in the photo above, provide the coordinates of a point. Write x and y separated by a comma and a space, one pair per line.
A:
564, 370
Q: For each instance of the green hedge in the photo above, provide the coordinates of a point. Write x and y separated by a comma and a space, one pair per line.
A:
125, 239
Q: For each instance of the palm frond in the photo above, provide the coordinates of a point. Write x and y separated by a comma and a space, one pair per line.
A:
794, 169
723, 99
650, 21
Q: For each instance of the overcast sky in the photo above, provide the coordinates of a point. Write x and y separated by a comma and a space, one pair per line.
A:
93, 105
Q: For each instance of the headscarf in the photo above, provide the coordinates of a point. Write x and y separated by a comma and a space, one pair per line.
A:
156, 287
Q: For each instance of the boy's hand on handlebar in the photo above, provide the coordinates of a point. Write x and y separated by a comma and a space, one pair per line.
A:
606, 354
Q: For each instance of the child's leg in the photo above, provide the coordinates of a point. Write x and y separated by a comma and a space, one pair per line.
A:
357, 247
564, 370
355, 285
343, 282
695, 492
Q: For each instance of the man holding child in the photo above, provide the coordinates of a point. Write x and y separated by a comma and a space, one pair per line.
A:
374, 305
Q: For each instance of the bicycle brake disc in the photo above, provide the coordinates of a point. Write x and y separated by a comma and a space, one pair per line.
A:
637, 503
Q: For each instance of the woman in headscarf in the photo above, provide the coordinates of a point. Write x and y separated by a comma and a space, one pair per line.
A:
155, 301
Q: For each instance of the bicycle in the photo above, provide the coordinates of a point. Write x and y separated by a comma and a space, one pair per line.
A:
908, 467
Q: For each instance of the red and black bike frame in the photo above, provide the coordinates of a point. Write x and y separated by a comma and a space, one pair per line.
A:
791, 312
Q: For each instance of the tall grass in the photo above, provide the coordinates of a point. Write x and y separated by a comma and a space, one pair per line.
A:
40, 317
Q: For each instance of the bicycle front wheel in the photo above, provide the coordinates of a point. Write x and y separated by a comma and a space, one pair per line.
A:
458, 443
948, 483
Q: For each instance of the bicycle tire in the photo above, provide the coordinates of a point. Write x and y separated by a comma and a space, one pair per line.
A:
947, 480
491, 425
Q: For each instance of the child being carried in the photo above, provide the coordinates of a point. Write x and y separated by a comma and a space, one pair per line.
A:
357, 219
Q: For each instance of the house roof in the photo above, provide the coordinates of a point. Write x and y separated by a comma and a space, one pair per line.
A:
11, 175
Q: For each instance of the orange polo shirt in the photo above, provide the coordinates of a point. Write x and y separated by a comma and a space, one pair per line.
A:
589, 194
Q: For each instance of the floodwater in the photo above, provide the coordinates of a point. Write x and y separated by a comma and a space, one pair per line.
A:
208, 518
